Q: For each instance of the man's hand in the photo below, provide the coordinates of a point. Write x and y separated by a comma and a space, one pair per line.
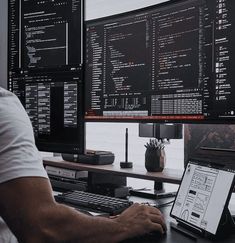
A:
141, 219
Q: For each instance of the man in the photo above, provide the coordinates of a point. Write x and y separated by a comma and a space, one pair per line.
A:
26, 201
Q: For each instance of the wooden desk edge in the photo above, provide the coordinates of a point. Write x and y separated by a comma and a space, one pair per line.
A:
167, 175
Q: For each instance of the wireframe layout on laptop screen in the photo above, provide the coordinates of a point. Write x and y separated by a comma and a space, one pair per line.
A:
202, 196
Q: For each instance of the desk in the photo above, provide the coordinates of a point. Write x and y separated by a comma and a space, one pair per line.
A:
172, 236
138, 171
168, 175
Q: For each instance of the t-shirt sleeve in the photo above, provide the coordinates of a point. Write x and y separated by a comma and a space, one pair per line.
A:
19, 156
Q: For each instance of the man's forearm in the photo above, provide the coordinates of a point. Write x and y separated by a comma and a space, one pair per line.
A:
59, 223
32, 214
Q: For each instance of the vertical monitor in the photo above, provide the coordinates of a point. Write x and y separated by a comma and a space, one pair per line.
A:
45, 69
171, 62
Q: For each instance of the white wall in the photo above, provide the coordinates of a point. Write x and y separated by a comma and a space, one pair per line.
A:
102, 8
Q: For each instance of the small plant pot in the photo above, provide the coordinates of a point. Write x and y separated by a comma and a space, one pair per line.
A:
155, 160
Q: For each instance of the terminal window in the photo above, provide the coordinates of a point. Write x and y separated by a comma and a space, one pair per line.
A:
50, 35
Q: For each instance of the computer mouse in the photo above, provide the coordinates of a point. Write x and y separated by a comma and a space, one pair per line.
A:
153, 236
157, 234
150, 237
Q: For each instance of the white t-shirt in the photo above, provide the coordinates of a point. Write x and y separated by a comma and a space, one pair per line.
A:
19, 156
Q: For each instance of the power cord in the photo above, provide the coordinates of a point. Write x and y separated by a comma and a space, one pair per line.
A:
159, 205
164, 204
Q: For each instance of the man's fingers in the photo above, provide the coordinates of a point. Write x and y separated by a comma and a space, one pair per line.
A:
156, 216
155, 210
158, 219
157, 227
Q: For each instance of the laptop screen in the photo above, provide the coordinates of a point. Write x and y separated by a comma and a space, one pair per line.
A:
202, 196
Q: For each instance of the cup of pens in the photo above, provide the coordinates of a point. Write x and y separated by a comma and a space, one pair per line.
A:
155, 156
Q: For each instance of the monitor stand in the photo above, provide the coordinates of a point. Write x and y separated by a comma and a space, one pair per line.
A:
157, 193
225, 229
93, 157
226, 226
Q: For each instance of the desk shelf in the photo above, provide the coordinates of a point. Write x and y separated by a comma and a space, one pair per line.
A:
167, 175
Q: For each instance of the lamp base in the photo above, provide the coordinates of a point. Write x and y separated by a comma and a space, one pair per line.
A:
126, 165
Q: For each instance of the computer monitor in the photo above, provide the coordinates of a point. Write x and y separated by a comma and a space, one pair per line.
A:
45, 59
210, 142
171, 62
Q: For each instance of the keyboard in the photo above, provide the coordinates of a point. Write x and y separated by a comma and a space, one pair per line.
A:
91, 201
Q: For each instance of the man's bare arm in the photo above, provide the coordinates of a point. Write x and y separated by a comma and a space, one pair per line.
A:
30, 211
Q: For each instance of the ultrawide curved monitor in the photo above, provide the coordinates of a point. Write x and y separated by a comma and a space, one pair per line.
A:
171, 62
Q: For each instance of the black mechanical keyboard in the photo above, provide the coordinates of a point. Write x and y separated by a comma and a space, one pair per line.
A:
87, 200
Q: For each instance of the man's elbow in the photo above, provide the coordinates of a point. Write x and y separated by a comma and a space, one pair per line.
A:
42, 226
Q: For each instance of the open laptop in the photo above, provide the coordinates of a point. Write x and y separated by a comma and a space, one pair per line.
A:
203, 197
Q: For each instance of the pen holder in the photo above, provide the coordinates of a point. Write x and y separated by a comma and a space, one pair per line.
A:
155, 159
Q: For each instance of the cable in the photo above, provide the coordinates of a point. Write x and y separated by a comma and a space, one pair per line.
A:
140, 189
164, 204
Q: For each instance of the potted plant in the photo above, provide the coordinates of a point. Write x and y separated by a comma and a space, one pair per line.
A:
155, 155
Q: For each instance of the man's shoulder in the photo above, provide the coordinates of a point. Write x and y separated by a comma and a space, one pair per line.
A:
12, 111
7, 96
7, 99
5, 93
